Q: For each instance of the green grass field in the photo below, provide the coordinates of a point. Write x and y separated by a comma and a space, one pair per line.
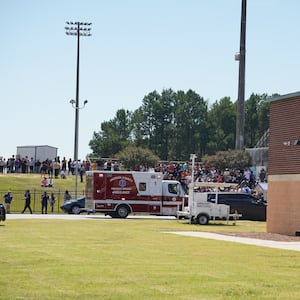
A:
134, 258
18, 183
137, 259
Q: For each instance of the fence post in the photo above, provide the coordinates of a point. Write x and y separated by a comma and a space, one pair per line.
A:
34, 192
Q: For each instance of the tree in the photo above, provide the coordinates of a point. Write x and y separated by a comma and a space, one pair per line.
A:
233, 159
263, 114
138, 134
175, 124
221, 126
163, 133
256, 118
132, 157
157, 119
251, 120
146, 114
114, 135
190, 125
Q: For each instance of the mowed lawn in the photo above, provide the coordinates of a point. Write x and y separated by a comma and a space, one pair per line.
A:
138, 259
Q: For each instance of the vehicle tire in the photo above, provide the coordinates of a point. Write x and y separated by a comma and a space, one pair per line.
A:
122, 211
76, 210
111, 214
202, 219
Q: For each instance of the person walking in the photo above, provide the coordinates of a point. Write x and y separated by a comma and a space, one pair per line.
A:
7, 199
27, 197
52, 201
45, 199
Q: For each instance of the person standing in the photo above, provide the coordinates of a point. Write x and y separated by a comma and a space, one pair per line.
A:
67, 196
45, 199
37, 166
81, 172
56, 167
31, 164
52, 201
262, 175
64, 165
7, 199
50, 183
27, 197
70, 169
2, 165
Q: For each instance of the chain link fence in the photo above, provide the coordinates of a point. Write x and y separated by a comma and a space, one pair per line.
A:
18, 202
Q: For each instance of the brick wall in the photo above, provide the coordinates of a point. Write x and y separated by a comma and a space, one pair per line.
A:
283, 213
284, 157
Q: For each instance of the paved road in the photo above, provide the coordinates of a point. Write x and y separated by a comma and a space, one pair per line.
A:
80, 217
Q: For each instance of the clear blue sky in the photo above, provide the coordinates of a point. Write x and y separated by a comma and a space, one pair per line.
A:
136, 47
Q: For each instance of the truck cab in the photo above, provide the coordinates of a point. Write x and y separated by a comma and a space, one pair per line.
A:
172, 191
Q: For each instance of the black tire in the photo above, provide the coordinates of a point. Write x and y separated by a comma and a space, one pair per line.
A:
122, 211
202, 219
76, 210
111, 214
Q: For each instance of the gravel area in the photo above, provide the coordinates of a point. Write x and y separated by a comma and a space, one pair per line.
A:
264, 236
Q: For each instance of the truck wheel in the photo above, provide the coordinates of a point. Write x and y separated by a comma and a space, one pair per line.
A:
76, 210
202, 219
122, 211
111, 214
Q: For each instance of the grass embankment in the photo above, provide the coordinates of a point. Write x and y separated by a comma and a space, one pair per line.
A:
137, 259
17, 183
21, 182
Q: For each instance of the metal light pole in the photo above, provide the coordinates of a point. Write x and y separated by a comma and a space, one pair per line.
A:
240, 118
78, 29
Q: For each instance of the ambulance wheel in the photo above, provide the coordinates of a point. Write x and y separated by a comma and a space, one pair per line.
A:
111, 214
202, 219
122, 211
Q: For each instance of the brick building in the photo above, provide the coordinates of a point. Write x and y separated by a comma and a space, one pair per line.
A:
283, 213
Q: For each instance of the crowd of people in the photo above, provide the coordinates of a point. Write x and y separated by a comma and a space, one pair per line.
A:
244, 179
171, 170
183, 172
53, 168
46, 200
48, 169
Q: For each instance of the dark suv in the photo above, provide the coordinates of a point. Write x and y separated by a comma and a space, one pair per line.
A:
73, 206
250, 207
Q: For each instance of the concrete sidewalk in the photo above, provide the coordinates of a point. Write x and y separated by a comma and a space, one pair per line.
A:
295, 246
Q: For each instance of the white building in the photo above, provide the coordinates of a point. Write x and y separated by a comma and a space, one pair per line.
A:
37, 152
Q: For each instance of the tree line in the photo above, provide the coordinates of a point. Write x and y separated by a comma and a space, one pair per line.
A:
174, 124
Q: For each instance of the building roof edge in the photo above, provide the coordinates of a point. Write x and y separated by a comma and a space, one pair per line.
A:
283, 97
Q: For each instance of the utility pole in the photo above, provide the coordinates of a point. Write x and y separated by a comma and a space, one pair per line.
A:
79, 29
241, 57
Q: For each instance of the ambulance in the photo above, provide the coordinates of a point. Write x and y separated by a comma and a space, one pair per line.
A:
120, 193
